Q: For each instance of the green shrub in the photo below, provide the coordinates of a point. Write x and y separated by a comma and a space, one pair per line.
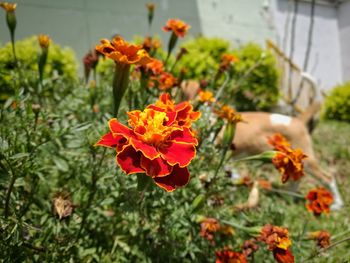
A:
255, 84
61, 63
337, 103
204, 56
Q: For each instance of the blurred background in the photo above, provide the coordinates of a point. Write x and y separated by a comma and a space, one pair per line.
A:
314, 34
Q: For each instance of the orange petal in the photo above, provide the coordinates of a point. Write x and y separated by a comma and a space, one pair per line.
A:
178, 153
108, 140
156, 168
147, 150
117, 128
129, 160
184, 136
179, 177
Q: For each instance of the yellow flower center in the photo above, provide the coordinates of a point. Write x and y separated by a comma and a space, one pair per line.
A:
150, 126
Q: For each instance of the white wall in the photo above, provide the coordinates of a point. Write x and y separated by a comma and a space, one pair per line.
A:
344, 37
324, 64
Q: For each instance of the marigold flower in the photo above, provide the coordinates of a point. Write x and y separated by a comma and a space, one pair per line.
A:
226, 255
44, 41
8, 7
320, 200
227, 60
62, 205
177, 26
123, 52
166, 81
150, 7
155, 144
249, 247
322, 238
289, 163
283, 256
208, 228
183, 111
275, 237
150, 44
155, 67
229, 114
206, 96
278, 141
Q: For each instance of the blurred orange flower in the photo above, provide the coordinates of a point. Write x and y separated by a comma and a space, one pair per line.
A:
155, 67
208, 228
322, 238
182, 112
150, 7
229, 114
320, 200
206, 96
166, 81
150, 44
249, 247
227, 60
122, 52
226, 255
154, 144
177, 26
44, 40
8, 7
278, 242
278, 141
289, 163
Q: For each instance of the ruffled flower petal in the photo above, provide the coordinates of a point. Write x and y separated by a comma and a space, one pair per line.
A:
147, 150
178, 153
156, 167
179, 177
184, 136
129, 160
108, 140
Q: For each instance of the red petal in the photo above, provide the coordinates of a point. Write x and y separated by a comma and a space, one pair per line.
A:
129, 160
178, 153
184, 136
156, 167
108, 140
147, 150
117, 128
179, 177
181, 106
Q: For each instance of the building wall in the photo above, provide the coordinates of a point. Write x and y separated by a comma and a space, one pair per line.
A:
80, 24
325, 63
344, 37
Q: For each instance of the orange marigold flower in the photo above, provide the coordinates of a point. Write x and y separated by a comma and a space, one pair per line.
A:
283, 256
278, 141
122, 52
275, 237
322, 238
183, 112
226, 255
44, 40
154, 144
155, 67
150, 44
229, 114
320, 200
264, 184
206, 96
8, 7
208, 228
166, 81
177, 26
289, 163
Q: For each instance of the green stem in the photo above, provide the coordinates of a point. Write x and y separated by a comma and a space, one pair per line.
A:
8, 194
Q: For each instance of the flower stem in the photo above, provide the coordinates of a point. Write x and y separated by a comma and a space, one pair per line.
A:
8, 194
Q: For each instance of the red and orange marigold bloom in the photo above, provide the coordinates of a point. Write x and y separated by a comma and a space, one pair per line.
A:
320, 200
151, 44
155, 67
228, 113
183, 111
153, 144
209, 226
177, 26
322, 238
226, 255
278, 141
44, 40
8, 7
206, 96
227, 60
166, 81
123, 52
249, 247
289, 163
278, 242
